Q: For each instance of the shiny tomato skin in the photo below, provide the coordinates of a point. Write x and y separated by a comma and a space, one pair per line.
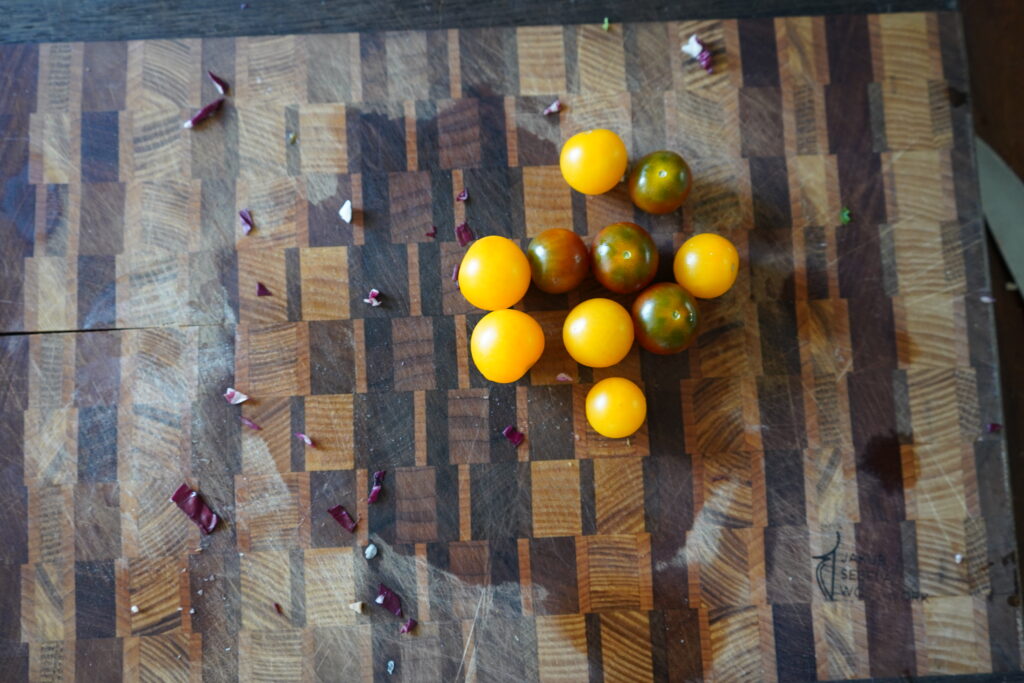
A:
494, 273
624, 258
660, 182
505, 344
616, 407
598, 333
666, 318
594, 161
559, 260
706, 265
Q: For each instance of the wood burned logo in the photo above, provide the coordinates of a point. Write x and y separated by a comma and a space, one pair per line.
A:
849, 575
825, 572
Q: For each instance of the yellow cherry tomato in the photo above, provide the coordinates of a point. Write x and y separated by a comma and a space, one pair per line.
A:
598, 333
706, 265
593, 161
505, 344
616, 407
494, 273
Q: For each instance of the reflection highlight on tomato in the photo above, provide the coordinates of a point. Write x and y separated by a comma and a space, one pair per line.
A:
624, 258
559, 260
660, 182
666, 318
505, 344
494, 273
616, 407
706, 265
593, 161
598, 333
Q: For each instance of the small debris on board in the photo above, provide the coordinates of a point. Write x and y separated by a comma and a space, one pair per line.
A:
513, 435
462, 196
219, 83
845, 216
606, 25
356, 607
562, 377
370, 552
204, 113
378, 484
553, 108
234, 396
464, 234
277, 606
986, 299
303, 438
408, 626
696, 48
993, 428
250, 424
391, 666
455, 273
261, 289
195, 509
134, 609
345, 212
373, 298
292, 138
958, 558
247, 223
341, 515
389, 600
433, 231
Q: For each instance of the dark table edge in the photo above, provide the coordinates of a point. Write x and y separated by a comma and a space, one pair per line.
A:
33, 21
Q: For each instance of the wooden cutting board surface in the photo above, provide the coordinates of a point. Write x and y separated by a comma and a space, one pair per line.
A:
814, 494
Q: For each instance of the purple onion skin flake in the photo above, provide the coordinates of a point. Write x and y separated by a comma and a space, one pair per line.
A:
464, 234
195, 509
553, 108
378, 485
247, 222
205, 113
513, 435
221, 85
408, 626
389, 600
462, 196
250, 424
341, 515
261, 289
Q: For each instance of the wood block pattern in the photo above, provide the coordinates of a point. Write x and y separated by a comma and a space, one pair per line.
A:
813, 495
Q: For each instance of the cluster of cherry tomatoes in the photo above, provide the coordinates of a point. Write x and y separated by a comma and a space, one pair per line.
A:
495, 275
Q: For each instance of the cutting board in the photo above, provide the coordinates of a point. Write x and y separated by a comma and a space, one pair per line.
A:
814, 494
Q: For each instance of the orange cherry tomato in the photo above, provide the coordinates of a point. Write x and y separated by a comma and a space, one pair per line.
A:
616, 407
593, 161
494, 273
505, 344
598, 333
706, 265
625, 258
559, 260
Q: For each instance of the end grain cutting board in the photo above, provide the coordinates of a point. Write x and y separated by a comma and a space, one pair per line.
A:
814, 494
